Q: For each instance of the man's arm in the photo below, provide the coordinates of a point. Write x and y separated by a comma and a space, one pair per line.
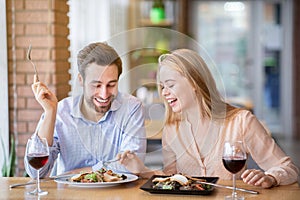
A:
49, 103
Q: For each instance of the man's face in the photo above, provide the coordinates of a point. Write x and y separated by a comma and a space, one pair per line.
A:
100, 87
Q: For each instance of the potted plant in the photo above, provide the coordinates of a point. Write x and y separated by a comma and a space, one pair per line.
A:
9, 165
157, 13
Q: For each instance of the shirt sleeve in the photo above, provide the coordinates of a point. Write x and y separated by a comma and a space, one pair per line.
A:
169, 157
266, 153
44, 171
53, 152
134, 136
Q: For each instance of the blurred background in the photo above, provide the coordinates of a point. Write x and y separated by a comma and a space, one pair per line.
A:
251, 47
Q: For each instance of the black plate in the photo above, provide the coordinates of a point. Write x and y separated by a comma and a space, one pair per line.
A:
148, 186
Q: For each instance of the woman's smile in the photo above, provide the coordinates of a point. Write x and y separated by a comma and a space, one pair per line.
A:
172, 102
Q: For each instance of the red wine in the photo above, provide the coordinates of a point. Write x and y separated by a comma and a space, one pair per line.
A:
37, 160
234, 165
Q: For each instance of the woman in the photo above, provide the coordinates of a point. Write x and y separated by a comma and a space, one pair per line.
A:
198, 122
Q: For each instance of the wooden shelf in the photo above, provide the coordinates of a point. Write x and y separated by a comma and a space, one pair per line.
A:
149, 23
155, 41
149, 53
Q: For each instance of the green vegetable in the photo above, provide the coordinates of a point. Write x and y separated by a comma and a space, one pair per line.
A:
207, 187
167, 187
92, 177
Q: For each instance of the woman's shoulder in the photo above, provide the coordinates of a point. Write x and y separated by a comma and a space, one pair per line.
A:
245, 118
241, 117
243, 114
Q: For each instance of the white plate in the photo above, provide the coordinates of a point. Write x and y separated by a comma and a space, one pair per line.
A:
65, 180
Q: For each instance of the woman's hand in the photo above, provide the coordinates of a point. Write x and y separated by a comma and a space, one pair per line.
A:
258, 178
132, 162
44, 96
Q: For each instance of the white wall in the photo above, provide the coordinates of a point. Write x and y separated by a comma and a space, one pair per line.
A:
89, 22
94, 21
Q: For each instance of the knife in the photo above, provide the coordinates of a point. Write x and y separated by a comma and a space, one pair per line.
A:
228, 187
222, 186
42, 180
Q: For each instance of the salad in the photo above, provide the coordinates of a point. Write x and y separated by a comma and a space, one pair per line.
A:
102, 175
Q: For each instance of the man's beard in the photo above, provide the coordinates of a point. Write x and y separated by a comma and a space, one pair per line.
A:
100, 109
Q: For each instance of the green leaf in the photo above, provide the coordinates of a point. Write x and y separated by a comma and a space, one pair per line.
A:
8, 168
4, 167
12, 158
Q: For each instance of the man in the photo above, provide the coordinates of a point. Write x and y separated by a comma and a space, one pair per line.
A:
86, 130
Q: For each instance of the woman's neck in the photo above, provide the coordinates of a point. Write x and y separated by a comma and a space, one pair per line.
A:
193, 115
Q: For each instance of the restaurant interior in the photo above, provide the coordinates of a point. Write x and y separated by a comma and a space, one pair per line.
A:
249, 44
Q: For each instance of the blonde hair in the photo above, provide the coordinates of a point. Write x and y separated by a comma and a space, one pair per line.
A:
191, 66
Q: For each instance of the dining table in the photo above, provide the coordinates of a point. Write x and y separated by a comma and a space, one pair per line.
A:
132, 191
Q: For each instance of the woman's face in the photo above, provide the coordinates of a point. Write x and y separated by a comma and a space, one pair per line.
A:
176, 90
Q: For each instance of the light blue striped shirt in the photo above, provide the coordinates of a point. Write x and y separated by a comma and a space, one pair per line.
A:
79, 142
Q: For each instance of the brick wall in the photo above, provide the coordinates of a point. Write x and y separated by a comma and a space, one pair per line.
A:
44, 25
296, 50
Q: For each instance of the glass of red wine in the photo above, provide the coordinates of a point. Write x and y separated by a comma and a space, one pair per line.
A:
234, 158
37, 153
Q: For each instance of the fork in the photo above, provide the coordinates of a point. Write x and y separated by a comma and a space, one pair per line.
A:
29, 59
106, 163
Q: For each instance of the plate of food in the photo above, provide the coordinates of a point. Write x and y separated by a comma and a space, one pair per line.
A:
96, 179
179, 184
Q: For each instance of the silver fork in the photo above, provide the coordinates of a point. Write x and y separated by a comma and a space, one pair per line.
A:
106, 163
29, 59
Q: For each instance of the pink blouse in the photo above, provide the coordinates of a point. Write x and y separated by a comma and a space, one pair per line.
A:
200, 153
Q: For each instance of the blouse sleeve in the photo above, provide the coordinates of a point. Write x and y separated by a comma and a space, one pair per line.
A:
169, 157
266, 153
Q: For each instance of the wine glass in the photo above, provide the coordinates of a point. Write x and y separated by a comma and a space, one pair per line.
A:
234, 158
37, 153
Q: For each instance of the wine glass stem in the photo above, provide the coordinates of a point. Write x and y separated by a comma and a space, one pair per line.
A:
234, 194
38, 181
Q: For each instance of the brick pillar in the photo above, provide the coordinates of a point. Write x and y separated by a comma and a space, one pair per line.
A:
44, 25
